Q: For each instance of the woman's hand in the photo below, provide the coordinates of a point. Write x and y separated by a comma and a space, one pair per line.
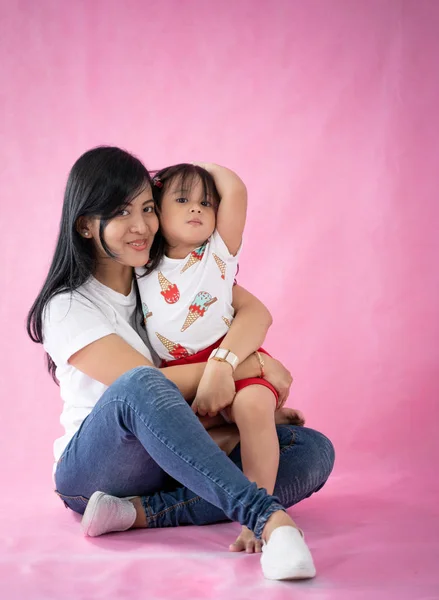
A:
216, 389
279, 377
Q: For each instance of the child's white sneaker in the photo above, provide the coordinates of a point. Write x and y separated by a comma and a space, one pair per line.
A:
286, 555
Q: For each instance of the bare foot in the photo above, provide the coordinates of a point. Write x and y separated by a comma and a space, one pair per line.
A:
289, 416
278, 519
141, 520
246, 541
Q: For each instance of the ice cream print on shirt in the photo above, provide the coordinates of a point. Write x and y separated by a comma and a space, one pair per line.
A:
227, 322
146, 313
198, 308
195, 257
170, 291
190, 310
175, 350
220, 264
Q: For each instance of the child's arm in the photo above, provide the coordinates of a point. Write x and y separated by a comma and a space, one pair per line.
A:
250, 325
249, 328
232, 209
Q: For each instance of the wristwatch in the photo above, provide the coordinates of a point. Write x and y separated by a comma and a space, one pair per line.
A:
224, 355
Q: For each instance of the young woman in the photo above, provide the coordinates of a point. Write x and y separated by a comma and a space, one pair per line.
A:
134, 454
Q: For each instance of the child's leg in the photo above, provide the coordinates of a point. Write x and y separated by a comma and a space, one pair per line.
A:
253, 412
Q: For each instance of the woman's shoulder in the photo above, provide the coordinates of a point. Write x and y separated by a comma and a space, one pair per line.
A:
74, 319
83, 299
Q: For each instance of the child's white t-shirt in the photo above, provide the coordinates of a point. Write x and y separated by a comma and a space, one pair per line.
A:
187, 303
73, 320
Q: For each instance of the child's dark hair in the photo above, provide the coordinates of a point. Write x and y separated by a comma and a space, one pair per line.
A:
187, 174
101, 183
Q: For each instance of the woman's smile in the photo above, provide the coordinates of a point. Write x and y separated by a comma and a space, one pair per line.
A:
139, 245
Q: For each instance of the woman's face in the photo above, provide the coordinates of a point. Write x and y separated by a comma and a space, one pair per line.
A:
129, 235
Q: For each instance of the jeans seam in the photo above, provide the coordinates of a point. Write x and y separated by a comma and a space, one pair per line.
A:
174, 507
71, 497
127, 402
292, 441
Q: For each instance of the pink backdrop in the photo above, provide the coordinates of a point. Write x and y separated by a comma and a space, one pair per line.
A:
328, 110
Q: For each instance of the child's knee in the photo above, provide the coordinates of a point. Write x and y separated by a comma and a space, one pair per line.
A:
254, 400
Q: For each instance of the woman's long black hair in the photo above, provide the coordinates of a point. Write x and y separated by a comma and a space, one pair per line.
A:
187, 174
101, 183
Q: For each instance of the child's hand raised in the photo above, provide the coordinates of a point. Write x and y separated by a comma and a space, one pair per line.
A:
230, 218
216, 389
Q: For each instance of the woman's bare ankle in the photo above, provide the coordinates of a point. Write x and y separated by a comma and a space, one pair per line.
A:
141, 520
278, 519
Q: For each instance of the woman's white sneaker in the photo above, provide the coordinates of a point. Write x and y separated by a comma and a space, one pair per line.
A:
105, 513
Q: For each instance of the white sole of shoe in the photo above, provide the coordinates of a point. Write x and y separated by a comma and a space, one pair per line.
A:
90, 512
297, 572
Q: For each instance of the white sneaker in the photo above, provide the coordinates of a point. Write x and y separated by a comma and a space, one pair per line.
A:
286, 555
105, 513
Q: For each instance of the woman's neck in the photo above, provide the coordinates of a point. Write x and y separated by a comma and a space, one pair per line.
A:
115, 276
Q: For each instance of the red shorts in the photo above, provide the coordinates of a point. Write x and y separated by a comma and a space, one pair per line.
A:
203, 356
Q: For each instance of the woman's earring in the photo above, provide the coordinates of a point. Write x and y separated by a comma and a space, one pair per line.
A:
85, 233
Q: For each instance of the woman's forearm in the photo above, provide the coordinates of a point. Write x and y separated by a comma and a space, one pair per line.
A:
187, 377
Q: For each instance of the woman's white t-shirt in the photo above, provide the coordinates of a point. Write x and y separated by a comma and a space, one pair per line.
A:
72, 321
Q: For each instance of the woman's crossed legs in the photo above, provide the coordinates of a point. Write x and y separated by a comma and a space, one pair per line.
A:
142, 431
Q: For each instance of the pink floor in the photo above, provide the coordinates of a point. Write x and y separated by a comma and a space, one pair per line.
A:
377, 540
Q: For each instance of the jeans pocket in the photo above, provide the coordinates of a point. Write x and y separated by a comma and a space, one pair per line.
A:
75, 503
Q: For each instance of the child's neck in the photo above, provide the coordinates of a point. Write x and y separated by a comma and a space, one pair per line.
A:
180, 250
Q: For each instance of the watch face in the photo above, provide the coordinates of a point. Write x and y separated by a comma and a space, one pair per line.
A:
224, 355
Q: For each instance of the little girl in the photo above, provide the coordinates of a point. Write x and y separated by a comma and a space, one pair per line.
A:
186, 292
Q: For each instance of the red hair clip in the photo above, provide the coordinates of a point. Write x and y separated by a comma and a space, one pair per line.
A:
157, 182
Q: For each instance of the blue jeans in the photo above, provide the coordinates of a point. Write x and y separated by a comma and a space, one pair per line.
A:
142, 439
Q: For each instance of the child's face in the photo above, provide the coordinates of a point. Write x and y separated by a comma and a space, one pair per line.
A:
187, 216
